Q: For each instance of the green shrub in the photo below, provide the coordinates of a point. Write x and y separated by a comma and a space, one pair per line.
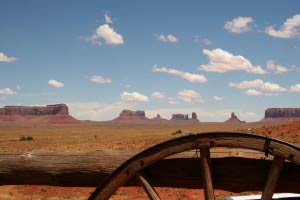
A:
24, 138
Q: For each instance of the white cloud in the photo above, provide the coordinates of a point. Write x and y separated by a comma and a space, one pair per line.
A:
172, 101
18, 87
158, 95
99, 80
239, 25
107, 19
249, 115
253, 92
222, 61
133, 97
55, 83
258, 87
5, 58
189, 96
108, 34
97, 111
217, 98
168, 38
295, 88
276, 68
290, 28
195, 78
7, 91
199, 40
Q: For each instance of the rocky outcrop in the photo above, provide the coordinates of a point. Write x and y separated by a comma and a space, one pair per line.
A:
158, 118
180, 117
194, 116
234, 119
129, 115
57, 109
184, 117
282, 113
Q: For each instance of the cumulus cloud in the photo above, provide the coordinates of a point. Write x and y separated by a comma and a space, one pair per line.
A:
276, 68
5, 58
108, 34
239, 25
258, 87
55, 83
107, 19
99, 80
172, 101
158, 95
7, 91
217, 98
295, 88
167, 38
290, 28
189, 96
194, 78
133, 97
222, 61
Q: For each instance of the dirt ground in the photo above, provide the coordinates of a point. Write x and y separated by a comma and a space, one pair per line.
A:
95, 136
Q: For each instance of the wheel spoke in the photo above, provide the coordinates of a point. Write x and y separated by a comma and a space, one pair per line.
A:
206, 174
151, 192
273, 177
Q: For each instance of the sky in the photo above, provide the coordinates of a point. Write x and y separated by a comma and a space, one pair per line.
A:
100, 57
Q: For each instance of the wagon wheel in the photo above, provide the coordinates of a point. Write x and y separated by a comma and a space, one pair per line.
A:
135, 166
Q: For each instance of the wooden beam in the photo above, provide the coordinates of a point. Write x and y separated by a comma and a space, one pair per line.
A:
91, 168
151, 192
273, 178
206, 174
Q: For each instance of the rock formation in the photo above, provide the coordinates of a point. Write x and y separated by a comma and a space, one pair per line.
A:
58, 109
129, 115
194, 116
234, 119
36, 115
180, 117
184, 117
158, 118
282, 113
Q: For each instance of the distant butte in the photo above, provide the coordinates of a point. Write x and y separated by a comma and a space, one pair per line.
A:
36, 115
129, 115
234, 119
282, 114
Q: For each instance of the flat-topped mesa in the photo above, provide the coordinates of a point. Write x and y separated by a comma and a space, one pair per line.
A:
128, 115
234, 119
282, 113
57, 109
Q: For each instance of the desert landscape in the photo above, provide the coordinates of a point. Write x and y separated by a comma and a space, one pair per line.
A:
128, 100
51, 129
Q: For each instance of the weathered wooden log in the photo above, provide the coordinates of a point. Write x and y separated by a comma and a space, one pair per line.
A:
90, 169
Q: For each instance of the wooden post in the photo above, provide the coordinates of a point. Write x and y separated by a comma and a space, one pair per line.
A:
206, 174
151, 192
273, 178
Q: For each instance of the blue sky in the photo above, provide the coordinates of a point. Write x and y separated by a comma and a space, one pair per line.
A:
99, 57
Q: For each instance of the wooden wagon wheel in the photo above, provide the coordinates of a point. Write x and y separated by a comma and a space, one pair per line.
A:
134, 167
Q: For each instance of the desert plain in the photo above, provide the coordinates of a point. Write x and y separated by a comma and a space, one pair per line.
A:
92, 136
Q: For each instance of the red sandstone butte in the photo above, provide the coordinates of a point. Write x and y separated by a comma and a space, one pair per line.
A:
233, 119
129, 115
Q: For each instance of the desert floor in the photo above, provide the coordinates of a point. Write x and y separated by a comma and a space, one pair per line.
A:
121, 136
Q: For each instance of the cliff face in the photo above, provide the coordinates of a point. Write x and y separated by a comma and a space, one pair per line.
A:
282, 113
58, 109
